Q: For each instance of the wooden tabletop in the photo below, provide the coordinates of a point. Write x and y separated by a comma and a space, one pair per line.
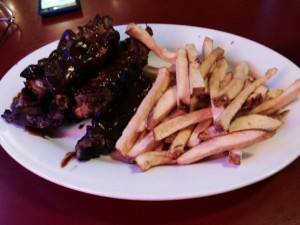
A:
25, 198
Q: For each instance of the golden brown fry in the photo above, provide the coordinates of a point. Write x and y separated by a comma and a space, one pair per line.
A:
171, 126
145, 144
148, 160
239, 139
223, 121
255, 121
207, 47
279, 102
163, 107
240, 75
197, 85
210, 133
138, 121
200, 127
143, 36
214, 86
182, 81
178, 145
235, 156
209, 61
215, 78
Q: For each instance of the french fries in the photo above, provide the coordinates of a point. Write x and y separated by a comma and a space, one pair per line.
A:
151, 159
142, 35
207, 47
240, 139
255, 121
235, 156
182, 79
209, 61
206, 112
137, 124
169, 127
240, 76
163, 107
197, 84
280, 101
223, 121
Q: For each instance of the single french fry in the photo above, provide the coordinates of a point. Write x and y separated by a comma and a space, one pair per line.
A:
138, 121
209, 61
146, 144
197, 85
223, 121
163, 107
192, 53
182, 81
239, 139
143, 36
215, 78
226, 80
148, 160
280, 101
240, 75
200, 127
178, 145
255, 121
169, 127
207, 47
210, 133
235, 156
214, 86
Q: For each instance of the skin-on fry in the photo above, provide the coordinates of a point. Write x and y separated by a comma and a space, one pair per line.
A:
239, 139
197, 85
146, 144
143, 36
235, 156
210, 133
214, 85
169, 127
223, 121
148, 160
207, 47
240, 75
178, 145
255, 121
163, 107
209, 61
138, 121
182, 81
200, 127
279, 102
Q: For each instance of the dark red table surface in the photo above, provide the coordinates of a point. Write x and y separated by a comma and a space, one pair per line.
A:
25, 198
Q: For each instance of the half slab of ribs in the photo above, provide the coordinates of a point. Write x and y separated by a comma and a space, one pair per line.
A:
89, 75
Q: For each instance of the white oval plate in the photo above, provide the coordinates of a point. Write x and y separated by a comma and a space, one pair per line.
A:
111, 178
